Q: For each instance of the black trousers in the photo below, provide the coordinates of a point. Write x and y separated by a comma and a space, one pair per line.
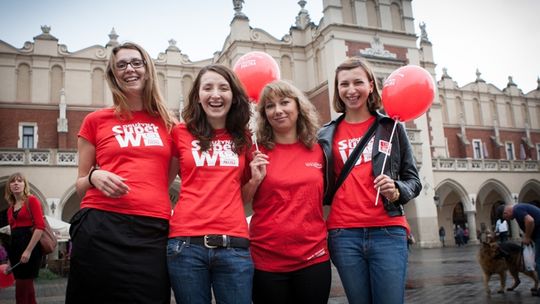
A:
118, 258
310, 285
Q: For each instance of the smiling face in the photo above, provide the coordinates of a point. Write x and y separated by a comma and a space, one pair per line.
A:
282, 114
132, 79
215, 97
354, 88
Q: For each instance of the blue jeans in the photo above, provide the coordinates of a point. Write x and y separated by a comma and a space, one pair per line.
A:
194, 270
371, 262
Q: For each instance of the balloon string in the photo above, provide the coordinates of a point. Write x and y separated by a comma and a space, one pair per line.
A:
388, 150
252, 123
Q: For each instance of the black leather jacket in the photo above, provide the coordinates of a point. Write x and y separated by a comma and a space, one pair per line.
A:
400, 165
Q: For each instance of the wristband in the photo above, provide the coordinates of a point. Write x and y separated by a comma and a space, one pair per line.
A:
90, 177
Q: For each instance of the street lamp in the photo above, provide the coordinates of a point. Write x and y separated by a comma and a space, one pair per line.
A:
437, 200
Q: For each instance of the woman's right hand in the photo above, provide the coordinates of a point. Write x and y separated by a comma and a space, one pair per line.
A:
25, 257
109, 183
258, 166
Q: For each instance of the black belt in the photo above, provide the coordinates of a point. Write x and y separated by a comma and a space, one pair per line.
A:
216, 241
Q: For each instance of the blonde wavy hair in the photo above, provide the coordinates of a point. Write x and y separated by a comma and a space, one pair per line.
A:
308, 122
8, 195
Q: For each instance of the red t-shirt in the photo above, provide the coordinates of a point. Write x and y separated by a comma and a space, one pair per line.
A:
139, 150
287, 228
29, 215
211, 199
354, 202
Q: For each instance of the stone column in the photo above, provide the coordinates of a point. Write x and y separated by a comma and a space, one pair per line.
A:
471, 221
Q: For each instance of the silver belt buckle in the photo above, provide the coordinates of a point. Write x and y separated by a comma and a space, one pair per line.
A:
206, 243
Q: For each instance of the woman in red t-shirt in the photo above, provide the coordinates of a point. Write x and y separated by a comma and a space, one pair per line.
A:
24, 213
208, 246
287, 229
125, 155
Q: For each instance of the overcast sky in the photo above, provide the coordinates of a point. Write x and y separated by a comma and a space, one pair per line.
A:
499, 37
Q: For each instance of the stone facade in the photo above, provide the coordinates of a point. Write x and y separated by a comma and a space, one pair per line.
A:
476, 147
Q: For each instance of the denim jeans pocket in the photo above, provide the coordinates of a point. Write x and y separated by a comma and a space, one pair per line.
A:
395, 232
175, 247
334, 232
240, 252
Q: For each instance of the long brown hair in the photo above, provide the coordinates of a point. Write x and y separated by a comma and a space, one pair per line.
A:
8, 195
237, 117
307, 123
374, 99
153, 102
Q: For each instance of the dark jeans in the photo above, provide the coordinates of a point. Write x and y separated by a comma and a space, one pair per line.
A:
310, 285
503, 236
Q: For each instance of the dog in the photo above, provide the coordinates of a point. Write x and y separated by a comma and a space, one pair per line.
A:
495, 258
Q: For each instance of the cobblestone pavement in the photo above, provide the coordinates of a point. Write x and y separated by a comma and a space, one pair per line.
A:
441, 275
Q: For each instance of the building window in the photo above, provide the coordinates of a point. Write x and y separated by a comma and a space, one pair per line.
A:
477, 149
510, 151
28, 137
537, 151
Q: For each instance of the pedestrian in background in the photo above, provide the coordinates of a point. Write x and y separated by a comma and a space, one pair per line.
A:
25, 218
368, 239
501, 230
458, 236
287, 229
208, 247
119, 235
442, 235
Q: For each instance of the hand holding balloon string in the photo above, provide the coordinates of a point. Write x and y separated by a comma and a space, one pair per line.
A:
407, 94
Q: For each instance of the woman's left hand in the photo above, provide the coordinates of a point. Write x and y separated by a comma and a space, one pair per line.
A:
387, 187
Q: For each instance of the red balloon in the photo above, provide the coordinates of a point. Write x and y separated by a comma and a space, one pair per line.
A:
6, 280
255, 70
408, 93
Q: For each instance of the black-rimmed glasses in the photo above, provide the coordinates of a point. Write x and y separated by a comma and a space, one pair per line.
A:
135, 63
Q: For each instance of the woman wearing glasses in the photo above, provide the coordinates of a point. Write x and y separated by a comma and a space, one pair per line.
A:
125, 152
